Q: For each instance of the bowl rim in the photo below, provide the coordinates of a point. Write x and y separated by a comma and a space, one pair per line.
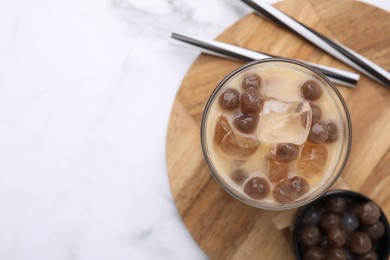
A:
211, 166
329, 194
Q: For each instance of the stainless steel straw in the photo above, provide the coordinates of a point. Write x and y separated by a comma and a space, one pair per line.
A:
336, 76
337, 50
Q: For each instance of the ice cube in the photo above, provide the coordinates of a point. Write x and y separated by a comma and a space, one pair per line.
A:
222, 128
281, 122
230, 142
277, 171
312, 162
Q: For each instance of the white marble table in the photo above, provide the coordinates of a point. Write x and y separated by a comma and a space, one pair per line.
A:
86, 89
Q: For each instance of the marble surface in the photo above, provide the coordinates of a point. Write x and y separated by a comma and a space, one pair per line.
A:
86, 89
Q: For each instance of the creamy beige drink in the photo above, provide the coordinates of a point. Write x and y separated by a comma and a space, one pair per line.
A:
275, 134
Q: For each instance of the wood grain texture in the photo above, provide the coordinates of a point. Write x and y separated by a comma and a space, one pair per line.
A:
227, 229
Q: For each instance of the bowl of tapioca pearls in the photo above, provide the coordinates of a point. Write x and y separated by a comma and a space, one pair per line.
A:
341, 225
276, 134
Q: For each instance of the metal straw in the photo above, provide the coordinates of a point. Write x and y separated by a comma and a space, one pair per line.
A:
337, 50
225, 50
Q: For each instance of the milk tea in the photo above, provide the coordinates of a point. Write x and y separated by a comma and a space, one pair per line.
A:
274, 133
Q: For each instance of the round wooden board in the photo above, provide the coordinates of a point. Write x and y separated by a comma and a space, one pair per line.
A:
227, 229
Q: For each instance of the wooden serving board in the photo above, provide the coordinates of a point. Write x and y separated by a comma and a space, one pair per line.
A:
227, 229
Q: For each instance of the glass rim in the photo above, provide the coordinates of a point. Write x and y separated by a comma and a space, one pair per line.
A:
214, 171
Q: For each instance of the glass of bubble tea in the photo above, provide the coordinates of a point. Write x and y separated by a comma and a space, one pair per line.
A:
276, 134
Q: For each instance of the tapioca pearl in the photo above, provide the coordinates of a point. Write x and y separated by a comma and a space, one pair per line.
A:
246, 123
315, 111
251, 80
336, 205
318, 132
329, 221
257, 188
310, 235
336, 254
314, 253
311, 90
284, 192
251, 102
371, 255
300, 185
285, 152
337, 237
369, 213
349, 221
333, 132
316, 114
313, 217
239, 176
375, 231
360, 243
229, 99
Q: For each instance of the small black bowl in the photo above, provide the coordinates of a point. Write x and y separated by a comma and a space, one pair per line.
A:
382, 246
